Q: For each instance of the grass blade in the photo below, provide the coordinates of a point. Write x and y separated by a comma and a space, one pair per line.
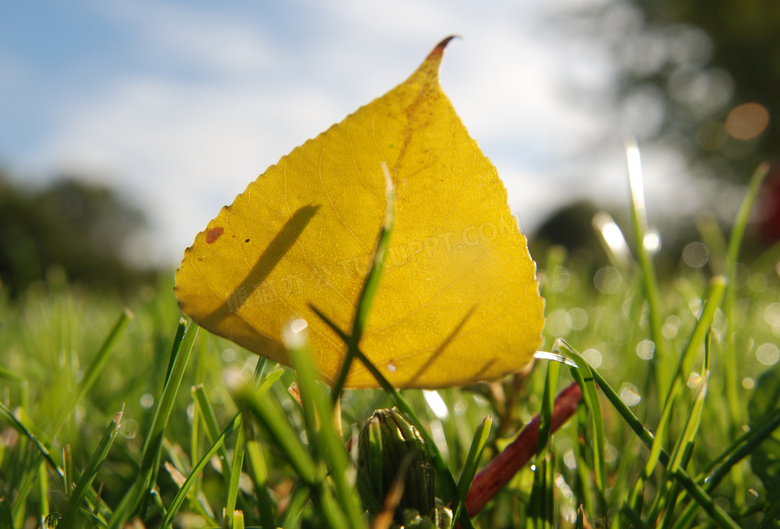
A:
472, 463
584, 377
258, 473
328, 447
275, 423
95, 367
505, 465
649, 279
93, 465
731, 360
139, 494
369, 286
212, 429
542, 500
10, 418
181, 495
6, 519
238, 462
731, 456
450, 492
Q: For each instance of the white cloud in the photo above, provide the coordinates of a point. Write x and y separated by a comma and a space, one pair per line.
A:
218, 40
217, 99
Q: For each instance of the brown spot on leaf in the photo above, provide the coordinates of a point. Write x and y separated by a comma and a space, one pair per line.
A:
213, 234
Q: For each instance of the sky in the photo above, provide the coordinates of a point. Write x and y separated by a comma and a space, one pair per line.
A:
180, 105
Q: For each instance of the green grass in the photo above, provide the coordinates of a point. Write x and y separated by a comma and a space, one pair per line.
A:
109, 418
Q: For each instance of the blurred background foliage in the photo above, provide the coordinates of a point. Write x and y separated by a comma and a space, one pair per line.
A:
698, 77
83, 231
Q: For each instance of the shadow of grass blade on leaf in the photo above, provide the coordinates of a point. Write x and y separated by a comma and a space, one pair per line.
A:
443, 345
450, 492
370, 285
271, 256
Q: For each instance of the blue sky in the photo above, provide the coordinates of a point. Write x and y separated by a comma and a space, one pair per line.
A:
179, 105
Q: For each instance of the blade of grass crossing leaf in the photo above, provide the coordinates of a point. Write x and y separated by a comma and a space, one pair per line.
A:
448, 481
181, 495
472, 463
237, 464
95, 366
90, 471
328, 446
139, 494
370, 285
649, 279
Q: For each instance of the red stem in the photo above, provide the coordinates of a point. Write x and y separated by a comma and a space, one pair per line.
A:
504, 466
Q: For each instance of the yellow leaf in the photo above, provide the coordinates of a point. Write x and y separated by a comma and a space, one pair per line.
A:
458, 299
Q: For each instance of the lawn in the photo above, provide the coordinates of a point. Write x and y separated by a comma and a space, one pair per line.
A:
112, 418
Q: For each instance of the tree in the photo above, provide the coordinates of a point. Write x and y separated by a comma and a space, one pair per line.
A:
82, 228
701, 73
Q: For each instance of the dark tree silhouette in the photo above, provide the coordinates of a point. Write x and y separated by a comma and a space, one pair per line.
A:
701, 74
79, 227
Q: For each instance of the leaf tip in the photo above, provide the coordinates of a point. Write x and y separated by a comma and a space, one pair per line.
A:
438, 51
